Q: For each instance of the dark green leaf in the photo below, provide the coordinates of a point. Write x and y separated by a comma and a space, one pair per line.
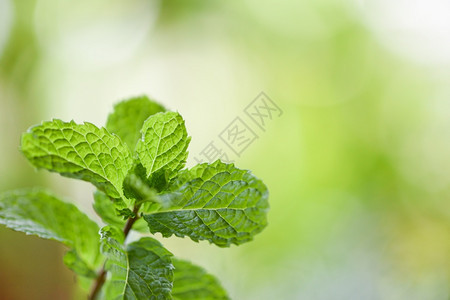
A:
143, 271
215, 202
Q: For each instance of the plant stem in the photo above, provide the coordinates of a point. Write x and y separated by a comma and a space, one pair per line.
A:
101, 277
99, 281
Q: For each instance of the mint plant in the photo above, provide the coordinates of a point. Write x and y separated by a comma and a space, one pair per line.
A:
137, 165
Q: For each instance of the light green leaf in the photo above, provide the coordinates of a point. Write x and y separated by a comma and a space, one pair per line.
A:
79, 151
143, 271
137, 188
215, 202
73, 261
128, 117
107, 210
163, 145
37, 212
191, 282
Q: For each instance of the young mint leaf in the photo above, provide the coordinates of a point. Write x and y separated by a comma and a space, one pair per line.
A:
162, 148
215, 202
37, 212
137, 188
143, 271
107, 210
78, 151
128, 117
191, 282
74, 262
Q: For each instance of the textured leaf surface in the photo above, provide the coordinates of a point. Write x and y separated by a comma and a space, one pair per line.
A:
143, 271
163, 144
36, 212
191, 282
128, 117
215, 202
79, 151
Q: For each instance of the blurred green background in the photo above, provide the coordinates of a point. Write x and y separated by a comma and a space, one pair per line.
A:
357, 165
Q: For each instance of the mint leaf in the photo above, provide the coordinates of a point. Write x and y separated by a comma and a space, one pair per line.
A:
128, 117
143, 271
215, 202
137, 188
78, 151
107, 210
140, 184
74, 262
37, 212
162, 148
191, 282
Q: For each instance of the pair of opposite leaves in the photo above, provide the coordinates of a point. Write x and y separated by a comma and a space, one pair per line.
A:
215, 202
